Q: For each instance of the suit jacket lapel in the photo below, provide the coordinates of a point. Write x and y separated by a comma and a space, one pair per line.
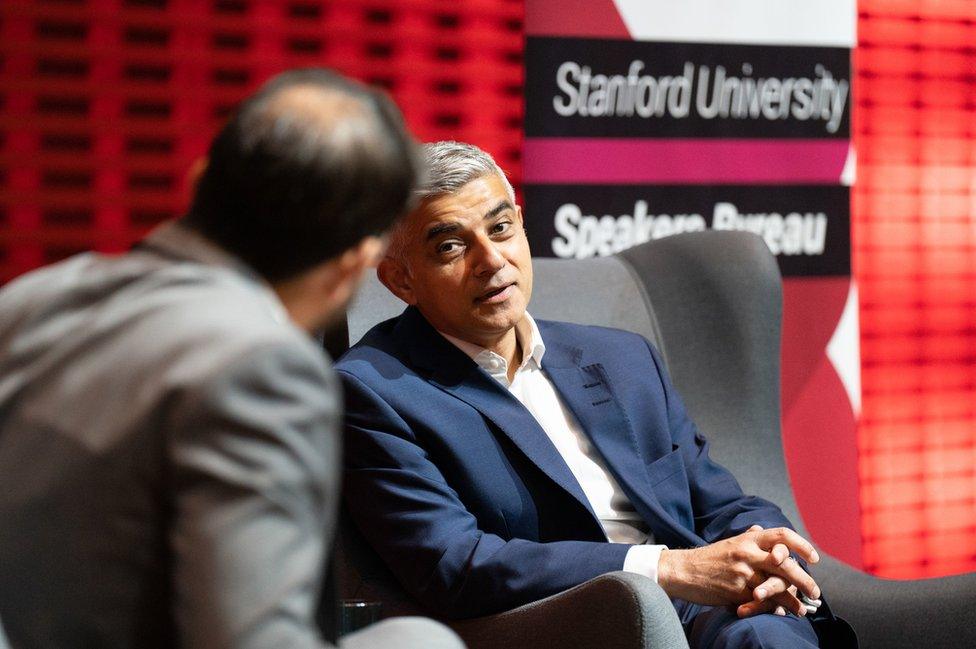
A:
586, 390
454, 372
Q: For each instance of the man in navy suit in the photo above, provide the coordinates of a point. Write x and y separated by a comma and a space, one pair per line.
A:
493, 460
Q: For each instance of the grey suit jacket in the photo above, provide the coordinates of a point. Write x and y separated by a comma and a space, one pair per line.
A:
168, 454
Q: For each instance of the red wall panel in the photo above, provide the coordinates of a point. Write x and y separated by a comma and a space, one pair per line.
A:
915, 261
104, 104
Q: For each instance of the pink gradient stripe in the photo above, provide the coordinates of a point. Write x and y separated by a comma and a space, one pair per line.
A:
578, 18
675, 161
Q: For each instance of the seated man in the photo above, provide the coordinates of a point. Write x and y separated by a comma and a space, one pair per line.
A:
169, 429
493, 460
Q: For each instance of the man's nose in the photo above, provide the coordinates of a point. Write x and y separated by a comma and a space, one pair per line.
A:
489, 258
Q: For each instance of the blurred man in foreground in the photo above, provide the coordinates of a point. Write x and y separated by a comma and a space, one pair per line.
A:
169, 429
493, 460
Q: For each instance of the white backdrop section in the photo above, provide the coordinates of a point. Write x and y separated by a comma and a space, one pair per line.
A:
751, 22
849, 173
844, 350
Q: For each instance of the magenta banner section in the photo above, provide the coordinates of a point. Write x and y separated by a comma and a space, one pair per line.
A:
609, 160
575, 18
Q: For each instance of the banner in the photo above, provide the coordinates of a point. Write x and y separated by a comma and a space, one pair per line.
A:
646, 119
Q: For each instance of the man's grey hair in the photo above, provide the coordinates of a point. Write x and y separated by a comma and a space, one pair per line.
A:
452, 165
449, 166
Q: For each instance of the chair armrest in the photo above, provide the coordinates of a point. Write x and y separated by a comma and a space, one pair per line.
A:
618, 609
901, 614
403, 633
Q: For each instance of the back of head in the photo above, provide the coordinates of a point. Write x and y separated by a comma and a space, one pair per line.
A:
306, 167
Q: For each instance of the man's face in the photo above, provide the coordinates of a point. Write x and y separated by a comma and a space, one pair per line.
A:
466, 263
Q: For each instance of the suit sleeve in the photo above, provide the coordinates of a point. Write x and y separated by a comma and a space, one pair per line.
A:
254, 465
417, 523
720, 507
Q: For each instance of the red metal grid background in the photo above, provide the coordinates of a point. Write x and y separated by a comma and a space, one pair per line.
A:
105, 103
915, 261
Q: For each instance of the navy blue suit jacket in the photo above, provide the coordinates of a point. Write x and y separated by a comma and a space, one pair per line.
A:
459, 489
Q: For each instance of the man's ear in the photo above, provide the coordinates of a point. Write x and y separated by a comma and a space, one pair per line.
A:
396, 277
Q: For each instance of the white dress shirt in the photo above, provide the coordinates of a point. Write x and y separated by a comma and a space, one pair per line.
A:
530, 385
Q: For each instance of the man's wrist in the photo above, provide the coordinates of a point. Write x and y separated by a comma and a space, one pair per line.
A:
644, 560
664, 569
669, 572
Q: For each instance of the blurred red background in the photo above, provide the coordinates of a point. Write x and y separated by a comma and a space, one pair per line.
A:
915, 261
104, 104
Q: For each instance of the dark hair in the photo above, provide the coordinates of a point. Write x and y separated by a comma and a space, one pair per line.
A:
304, 169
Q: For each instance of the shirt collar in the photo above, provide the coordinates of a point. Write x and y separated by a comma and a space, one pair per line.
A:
529, 338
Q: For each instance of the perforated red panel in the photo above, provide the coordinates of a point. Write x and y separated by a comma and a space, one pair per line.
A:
105, 103
915, 260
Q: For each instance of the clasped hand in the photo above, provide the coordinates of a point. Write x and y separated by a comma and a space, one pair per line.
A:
754, 571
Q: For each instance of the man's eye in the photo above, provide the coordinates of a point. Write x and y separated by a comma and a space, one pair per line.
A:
448, 247
501, 227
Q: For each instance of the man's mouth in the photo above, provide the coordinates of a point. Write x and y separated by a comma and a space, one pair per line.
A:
496, 295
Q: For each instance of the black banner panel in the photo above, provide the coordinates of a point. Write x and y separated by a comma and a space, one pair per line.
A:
580, 87
807, 227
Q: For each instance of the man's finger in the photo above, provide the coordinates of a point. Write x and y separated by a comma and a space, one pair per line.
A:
778, 555
752, 608
791, 571
785, 601
767, 539
777, 562
772, 585
789, 601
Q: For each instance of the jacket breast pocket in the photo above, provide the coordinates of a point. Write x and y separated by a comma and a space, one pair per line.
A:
669, 482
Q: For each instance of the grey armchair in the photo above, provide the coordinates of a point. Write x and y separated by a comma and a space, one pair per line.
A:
712, 303
719, 317
619, 609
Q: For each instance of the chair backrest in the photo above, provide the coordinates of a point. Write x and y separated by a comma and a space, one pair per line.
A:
711, 302
602, 291
718, 301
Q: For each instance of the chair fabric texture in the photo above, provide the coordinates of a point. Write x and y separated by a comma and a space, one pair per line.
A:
403, 633
618, 609
717, 299
712, 304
